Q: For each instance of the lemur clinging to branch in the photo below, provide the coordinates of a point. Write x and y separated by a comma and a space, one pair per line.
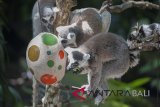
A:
144, 38
83, 24
140, 36
43, 16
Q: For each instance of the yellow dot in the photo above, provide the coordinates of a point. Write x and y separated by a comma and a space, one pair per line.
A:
33, 53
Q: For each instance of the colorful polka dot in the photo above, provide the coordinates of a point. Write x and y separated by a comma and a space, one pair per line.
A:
61, 54
50, 63
48, 79
59, 67
49, 39
49, 52
33, 53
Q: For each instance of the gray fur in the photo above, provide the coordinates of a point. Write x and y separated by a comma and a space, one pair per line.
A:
86, 23
47, 12
109, 58
138, 34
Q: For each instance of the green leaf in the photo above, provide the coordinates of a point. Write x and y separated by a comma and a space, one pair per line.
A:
19, 104
115, 84
150, 66
114, 103
139, 82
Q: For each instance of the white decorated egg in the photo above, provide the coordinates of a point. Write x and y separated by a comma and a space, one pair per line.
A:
46, 58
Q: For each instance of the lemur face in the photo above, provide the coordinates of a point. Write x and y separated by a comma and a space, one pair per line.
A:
67, 35
48, 15
78, 59
142, 31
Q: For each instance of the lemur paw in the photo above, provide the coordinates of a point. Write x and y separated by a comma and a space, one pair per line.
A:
87, 88
44, 100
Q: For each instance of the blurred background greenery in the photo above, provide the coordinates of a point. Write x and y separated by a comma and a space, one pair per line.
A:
15, 80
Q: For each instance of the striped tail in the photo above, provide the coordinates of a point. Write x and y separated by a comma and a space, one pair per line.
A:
134, 57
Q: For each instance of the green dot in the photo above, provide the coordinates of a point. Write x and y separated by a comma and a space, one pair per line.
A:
49, 39
59, 67
50, 63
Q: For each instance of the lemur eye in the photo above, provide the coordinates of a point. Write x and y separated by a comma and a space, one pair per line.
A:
76, 63
44, 20
72, 35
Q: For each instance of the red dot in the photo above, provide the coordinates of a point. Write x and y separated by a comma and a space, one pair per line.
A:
48, 79
61, 54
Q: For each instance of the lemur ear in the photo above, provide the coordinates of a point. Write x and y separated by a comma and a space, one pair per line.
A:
86, 56
59, 29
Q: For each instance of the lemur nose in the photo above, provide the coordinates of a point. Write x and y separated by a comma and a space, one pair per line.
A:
64, 41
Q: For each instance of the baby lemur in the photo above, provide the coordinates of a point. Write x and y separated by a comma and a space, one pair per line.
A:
104, 56
83, 24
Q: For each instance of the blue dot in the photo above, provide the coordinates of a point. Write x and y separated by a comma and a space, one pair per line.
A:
49, 52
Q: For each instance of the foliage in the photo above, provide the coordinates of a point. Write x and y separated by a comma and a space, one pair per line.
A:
8, 93
112, 101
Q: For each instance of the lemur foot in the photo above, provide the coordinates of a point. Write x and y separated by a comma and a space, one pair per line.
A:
98, 100
87, 88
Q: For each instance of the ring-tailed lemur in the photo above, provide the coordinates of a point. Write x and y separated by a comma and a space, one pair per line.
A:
144, 31
83, 24
141, 34
104, 56
43, 16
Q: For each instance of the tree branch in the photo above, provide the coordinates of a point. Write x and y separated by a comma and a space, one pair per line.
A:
145, 39
62, 16
130, 4
147, 46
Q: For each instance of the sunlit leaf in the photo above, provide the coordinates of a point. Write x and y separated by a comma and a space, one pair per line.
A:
139, 82
115, 84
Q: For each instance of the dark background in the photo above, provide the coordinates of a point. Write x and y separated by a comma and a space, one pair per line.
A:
16, 32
